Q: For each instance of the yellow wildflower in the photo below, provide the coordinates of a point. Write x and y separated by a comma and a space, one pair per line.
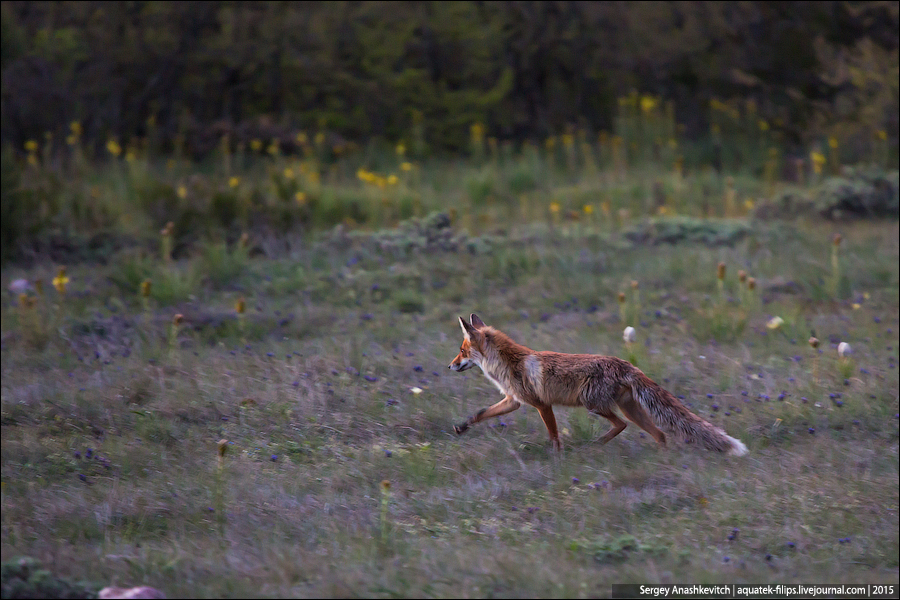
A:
648, 103
401, 149
763, 125
31, 146
407, 166
300, 197
818, 160
61, 280
75, 128
273, 148
288, 173
392, 179
182, 192
832, 142
588, 209
256, 145
320, 138
554, 207
882, 134
301, 138
113, 147
233, 182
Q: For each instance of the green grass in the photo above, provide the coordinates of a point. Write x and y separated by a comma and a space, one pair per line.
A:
314, 393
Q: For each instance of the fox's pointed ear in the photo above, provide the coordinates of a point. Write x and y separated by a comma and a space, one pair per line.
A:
468, 330
476, 322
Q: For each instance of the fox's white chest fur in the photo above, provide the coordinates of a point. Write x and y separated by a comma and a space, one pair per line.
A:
496, 374
499, 374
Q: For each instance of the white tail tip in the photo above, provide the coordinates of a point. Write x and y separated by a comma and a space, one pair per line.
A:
737, 447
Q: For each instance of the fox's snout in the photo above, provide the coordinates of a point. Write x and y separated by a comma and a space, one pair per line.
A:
460, 364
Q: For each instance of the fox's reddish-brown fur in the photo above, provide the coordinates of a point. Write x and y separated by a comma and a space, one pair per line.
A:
605, 385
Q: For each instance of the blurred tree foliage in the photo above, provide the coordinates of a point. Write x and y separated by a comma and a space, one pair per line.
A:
426, 71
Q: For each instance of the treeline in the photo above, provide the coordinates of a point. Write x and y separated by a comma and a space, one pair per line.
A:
190, 72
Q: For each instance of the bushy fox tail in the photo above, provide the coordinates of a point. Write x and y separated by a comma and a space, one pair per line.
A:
671, 414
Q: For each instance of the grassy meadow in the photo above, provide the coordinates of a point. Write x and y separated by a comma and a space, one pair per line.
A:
289, 432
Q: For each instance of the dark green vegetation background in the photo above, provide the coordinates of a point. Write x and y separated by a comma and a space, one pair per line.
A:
363, 69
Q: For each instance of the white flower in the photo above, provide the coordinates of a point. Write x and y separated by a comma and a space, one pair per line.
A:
628, 335
775, 323
844, 349
416, 390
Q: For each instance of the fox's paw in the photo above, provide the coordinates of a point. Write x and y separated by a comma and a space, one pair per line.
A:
461, 428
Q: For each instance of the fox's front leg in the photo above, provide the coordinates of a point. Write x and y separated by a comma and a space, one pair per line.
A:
507, 405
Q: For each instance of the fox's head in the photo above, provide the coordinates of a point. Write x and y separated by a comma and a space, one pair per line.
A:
470, 352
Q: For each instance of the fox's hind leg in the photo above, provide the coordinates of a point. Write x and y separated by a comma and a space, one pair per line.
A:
635, 413
549, 419
618, 425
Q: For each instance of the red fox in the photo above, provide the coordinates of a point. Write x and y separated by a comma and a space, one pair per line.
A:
605, 385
